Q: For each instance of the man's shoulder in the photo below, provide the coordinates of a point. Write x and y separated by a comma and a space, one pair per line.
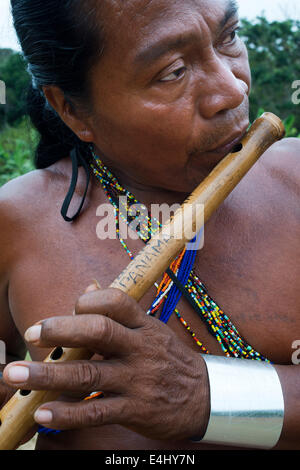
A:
289, 144
283, 159
268, 197
277, 174
25, 203
19, 195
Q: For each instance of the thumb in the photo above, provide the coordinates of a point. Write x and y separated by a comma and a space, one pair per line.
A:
91, 288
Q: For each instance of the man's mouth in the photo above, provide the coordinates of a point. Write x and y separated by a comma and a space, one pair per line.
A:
229, 144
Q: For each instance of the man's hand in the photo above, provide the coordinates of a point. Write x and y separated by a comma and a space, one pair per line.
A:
153, 384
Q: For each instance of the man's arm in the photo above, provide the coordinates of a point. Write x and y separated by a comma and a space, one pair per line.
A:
282, 161
12, 345
290, 381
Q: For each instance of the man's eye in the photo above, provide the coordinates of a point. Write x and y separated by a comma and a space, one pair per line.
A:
172, 77
231, 37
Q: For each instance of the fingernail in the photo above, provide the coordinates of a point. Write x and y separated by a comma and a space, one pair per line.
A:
93, 287
96, 283
33, 333
18, 374
43, 416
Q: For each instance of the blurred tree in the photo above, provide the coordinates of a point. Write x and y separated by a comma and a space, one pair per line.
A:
13, 73
275, 64
4, 53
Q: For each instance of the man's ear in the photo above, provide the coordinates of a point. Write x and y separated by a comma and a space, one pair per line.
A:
65, 110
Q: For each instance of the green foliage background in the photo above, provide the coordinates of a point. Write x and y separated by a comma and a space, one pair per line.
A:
274, 55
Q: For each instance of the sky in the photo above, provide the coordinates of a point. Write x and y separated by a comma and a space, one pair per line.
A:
273, 9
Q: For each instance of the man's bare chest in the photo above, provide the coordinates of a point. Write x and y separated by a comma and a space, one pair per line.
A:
49, 278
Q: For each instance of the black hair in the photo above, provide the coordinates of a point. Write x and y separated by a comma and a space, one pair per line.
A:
60, 41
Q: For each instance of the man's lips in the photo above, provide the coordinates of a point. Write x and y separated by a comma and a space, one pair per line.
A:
230, 143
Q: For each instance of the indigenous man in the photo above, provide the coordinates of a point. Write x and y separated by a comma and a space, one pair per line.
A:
170, 97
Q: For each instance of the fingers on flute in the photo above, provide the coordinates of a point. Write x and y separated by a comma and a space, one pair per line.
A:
63, 416
112, 303
97, 333
79, 376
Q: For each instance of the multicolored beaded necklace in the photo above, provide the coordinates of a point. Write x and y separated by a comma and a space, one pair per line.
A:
170, 289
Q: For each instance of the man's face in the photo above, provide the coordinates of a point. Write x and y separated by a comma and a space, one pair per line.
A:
171, 87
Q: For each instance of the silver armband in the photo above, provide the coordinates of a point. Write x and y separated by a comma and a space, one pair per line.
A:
247, 405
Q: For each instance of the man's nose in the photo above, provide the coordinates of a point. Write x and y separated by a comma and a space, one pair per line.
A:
223, 90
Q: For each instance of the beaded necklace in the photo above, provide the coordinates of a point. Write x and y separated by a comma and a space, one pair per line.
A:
217, 322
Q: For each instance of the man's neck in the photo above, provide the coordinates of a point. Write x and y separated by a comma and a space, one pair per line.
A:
147, 194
